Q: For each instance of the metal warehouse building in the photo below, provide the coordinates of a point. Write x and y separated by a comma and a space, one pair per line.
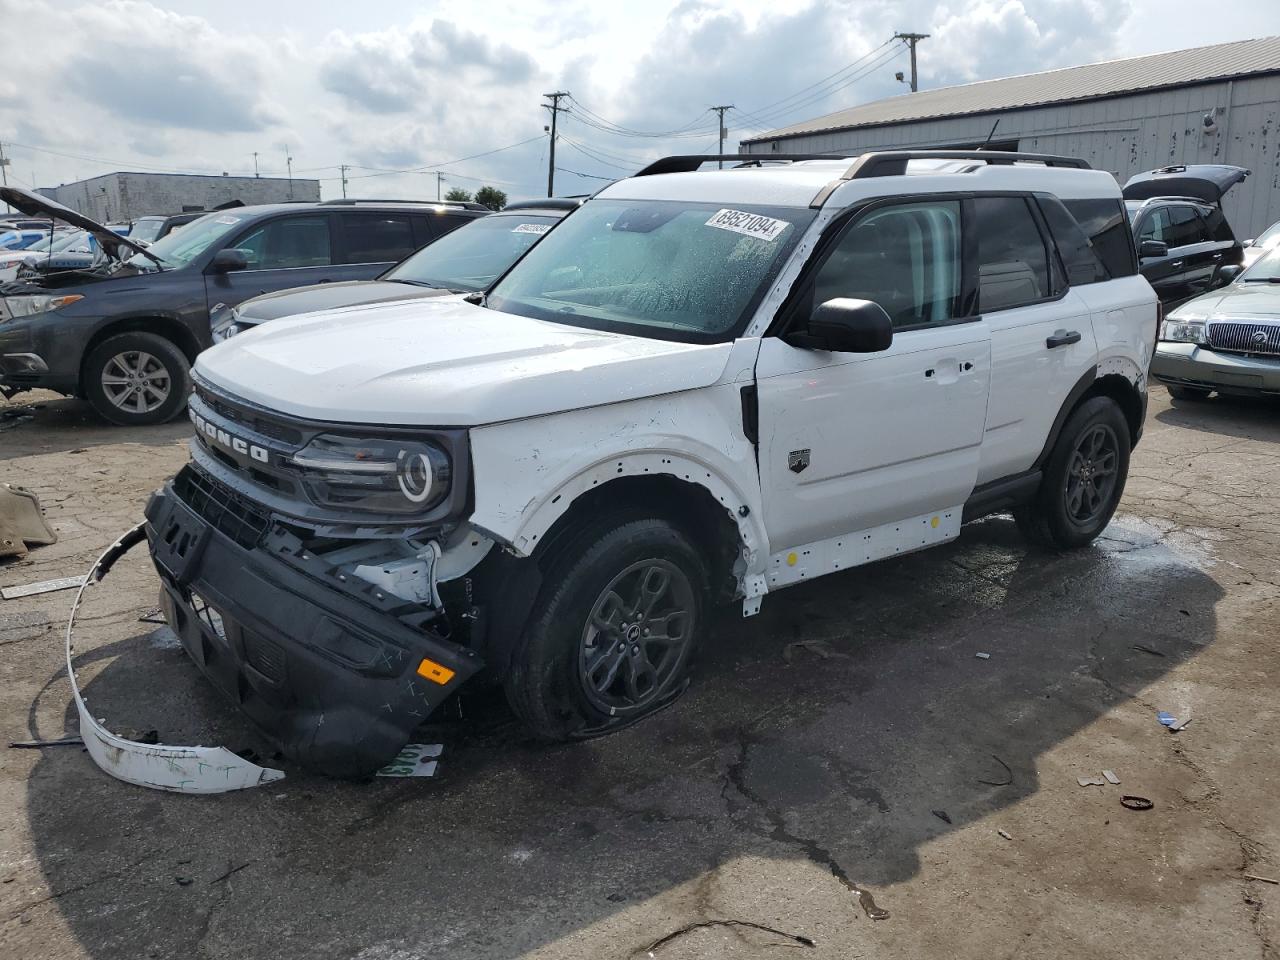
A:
126, 196
1218, 104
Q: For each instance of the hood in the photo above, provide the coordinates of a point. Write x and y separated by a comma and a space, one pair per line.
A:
446, 362
34, 205
1242, 301
328, 296
1203, 181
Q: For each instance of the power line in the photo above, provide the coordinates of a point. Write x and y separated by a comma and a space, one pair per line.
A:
771, 117
588, 176
768, 107
593, 119
587, 152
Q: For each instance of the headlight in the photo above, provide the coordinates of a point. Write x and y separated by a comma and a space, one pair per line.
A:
223, 324
1181, 330
26, 306
374, 476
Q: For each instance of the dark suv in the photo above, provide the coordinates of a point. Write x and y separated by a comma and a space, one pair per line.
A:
1182, 235
123, 333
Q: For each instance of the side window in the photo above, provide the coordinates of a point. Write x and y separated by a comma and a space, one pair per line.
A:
906, 257
1187, 227
377, 237
446, 223
1217, 225
1013, 261
1078, 256
1157, 227
1106, 225
288, 242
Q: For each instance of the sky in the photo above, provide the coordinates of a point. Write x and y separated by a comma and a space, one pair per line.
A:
403, 91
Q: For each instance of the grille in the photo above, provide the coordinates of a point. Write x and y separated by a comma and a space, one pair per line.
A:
1243, 338
221, 507
258, 422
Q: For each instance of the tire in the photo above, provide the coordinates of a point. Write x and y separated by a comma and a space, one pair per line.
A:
1083, 481
568, 678
135, 379
1188, 393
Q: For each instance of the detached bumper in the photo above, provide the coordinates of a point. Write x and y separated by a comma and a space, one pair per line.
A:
1191, 365
322, 671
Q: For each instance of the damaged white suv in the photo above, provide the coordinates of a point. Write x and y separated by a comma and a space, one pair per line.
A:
699, 385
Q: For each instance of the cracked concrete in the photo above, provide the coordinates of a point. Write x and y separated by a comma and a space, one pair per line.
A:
802, 766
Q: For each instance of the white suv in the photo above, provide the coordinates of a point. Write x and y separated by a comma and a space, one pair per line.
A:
699, 385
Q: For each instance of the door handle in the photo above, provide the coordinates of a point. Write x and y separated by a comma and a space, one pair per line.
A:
1063, 338
1176, 265
1217, 256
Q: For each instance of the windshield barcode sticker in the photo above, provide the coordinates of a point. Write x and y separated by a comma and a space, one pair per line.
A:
538, 228
227, 220
748, 224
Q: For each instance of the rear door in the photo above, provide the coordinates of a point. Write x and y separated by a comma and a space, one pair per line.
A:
1042, 339
295, 250
1165, 274
1194, 250
370, 243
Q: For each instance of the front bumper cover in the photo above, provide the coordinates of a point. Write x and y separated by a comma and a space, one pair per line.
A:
326, 670
1193, 365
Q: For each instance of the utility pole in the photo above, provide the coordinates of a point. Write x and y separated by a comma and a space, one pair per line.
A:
721, 110
343, 168
439, 179
556, 110
256, 175
4, 173
288, 163
911, 40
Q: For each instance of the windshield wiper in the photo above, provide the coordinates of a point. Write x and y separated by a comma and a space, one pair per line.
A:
415, 283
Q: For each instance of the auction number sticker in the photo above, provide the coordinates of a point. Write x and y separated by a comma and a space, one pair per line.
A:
538, 228
227, 220
748, 224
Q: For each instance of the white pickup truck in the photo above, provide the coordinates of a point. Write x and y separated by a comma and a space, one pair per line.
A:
699, 386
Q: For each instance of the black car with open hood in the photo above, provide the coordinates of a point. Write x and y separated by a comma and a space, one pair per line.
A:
123, 331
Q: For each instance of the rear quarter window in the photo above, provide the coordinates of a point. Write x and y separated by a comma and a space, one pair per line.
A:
1105, 224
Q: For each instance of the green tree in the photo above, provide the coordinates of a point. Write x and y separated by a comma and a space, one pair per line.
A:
491, 197
457, 193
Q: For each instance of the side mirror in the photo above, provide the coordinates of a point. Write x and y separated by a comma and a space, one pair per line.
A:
1229, 272
1152, 248
845, 325
228, 260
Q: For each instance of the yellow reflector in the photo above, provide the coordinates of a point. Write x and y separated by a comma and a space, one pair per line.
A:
435, 672
791, 559
934, 523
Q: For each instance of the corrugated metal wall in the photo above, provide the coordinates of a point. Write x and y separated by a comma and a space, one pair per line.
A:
124, 196
1124, 135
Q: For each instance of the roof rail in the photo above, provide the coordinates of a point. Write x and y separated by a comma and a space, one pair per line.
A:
463, 204
891, 163
691, 162
547, 203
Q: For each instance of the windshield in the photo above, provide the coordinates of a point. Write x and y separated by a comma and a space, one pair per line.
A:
146, 230
1270, 237
654, 268
1265, 270
181, 247
474, 255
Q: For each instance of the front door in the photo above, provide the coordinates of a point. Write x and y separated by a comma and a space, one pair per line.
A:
851, 442
289, 251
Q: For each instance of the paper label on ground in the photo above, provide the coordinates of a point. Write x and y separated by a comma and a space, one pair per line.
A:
414, 760
538, 228
748, 224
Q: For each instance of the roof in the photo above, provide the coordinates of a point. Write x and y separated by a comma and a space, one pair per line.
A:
1071, 84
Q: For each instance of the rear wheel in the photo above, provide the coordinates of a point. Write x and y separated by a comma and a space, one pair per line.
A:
1084, 478
1188, 393
613, 632
136, 378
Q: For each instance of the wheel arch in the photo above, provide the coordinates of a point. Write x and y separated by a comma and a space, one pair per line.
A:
167, 327
1118, 378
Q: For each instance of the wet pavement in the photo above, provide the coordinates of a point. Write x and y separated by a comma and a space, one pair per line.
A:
784, 801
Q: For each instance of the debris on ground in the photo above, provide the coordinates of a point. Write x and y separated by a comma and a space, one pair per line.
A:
1005, 834
22, 522
414, 760
868, 904
983, 656
795, 938
1250, 876
1136, 803
183, 881
1091, 781
154, 615
1111, 776
941, 815
35, 744
1143, 648
44, 586
13, 416
1008, 775
1179, 724
1172, 722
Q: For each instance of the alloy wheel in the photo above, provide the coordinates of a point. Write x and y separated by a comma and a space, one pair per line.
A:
1091, 474
136, 381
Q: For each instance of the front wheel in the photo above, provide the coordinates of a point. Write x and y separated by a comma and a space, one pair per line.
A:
1084, 478
135, 379
613, 632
